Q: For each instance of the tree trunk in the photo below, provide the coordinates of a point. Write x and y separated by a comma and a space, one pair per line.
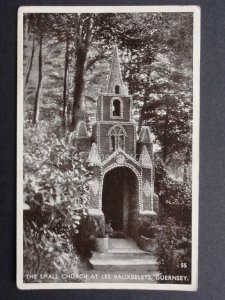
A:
37, 94
65, 83
146, 96
141, 118
31, 62
186, 163
79, 83
185, 174
165, 147
81, 55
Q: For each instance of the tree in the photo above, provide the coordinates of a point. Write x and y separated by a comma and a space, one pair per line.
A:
164, 94
29, 21
153, 48
101, 30
65, 82
38, 28
31, 61
37, 94
62, 26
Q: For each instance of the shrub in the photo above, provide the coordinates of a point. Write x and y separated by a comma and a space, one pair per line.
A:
174, 197
174, 249
148, 228
56, 191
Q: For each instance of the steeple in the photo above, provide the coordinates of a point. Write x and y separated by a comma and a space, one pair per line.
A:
115, 82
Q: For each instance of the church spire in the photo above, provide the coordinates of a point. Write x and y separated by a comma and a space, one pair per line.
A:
115, 82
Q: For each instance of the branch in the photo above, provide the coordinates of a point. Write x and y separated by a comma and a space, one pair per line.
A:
53, 45
117, 30
91, 62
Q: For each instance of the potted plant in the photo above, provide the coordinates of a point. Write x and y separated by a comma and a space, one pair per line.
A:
101, 243
148, 241
101, 238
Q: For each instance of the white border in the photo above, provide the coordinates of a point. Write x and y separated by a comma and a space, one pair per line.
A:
195, 145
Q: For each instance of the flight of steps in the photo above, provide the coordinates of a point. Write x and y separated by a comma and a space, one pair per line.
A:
124, 255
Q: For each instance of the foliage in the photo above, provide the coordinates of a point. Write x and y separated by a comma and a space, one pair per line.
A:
108, 229
158, 68
170, 120
148, 228
174, 249
174, 197
174, 231
156, 50
91, 227
56, 191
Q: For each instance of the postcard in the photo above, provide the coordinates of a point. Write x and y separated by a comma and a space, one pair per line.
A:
108, 147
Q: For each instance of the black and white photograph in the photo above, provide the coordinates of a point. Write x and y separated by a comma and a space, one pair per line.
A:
108, 147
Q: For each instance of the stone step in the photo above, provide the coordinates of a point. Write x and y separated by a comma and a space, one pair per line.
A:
126, 255
124, 261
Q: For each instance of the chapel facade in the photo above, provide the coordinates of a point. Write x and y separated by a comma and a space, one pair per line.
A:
122, 186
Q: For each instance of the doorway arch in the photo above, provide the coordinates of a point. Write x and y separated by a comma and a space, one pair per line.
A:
120, 197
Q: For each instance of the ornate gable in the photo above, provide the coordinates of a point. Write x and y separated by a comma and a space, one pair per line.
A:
120, 156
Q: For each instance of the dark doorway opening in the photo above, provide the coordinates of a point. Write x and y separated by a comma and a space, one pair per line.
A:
119, 198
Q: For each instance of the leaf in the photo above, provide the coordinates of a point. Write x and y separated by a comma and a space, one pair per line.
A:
53, 215
34, 224
76, 217
51, 201
57, 266
28, 240
66, 257
60, 260
58, 199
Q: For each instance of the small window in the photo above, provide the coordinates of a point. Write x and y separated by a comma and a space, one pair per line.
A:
116, 108
113, 143
117, 89
121, 141
116, 138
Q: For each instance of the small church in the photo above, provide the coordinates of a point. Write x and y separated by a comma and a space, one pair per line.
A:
122, 185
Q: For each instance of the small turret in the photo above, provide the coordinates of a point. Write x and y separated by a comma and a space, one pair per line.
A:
93, 157
145, 140
145, 159
81, 130
80, 137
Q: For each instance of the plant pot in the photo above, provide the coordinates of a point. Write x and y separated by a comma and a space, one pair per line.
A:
101, 244
148, 244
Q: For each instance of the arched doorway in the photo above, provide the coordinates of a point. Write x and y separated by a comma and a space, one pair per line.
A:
120, 198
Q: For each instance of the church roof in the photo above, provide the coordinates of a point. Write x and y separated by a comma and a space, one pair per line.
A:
115, 76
